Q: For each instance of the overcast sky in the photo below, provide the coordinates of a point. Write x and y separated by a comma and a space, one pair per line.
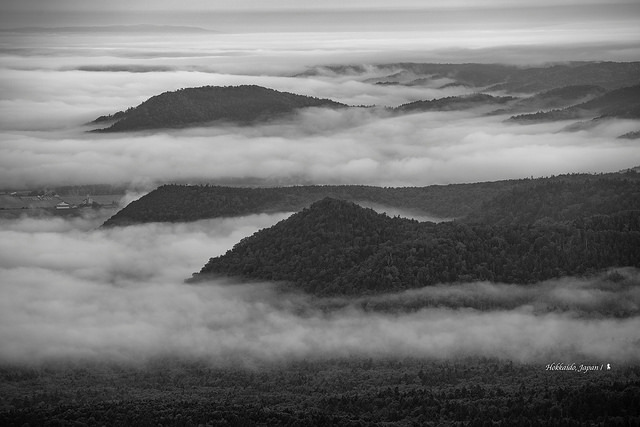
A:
302, 15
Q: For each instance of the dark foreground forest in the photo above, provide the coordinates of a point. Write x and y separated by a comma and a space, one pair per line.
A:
343, 392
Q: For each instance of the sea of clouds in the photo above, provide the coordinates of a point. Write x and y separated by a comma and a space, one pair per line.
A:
54, 84
73, 291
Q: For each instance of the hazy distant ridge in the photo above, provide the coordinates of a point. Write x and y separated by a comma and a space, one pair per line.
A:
497, 77
618, 103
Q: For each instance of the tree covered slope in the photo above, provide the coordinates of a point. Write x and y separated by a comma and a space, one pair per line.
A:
184, 107
336, 247
177, 203
562, 198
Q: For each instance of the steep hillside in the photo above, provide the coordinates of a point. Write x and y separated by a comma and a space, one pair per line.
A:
335, 247
184, 107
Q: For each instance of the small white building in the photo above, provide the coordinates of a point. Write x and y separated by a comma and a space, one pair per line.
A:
63, 205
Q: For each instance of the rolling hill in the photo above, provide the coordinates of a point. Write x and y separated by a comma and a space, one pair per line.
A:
201, 105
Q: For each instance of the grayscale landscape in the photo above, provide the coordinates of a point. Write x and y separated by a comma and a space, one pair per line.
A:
296, 213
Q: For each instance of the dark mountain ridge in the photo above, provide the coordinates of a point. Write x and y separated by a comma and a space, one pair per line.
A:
177, 203
336, 247
566, 196
236, 104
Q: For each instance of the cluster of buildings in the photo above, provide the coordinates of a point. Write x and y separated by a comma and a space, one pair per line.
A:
88, 202
19, 200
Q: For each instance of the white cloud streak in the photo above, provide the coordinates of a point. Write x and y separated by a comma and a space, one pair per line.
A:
321, 146
45, 99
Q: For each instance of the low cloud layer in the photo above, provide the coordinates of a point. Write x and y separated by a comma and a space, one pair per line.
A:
320, 146
72, 292
53, 84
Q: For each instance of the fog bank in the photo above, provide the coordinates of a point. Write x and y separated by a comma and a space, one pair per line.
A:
77, 293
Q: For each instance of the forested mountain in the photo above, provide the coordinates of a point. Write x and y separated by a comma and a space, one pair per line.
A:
175, 203
345, 392
620, 103
337, 247
236, 104
510, 78
561, 200
561, 85
455, 103
178, 203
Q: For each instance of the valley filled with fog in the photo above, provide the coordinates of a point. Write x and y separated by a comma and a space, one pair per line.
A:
75, 292
99, 322
54, 84
72, 290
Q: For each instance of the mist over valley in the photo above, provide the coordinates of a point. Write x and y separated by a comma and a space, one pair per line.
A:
220, 213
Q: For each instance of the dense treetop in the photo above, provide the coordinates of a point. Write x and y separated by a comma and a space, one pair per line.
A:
340, 392
337, 247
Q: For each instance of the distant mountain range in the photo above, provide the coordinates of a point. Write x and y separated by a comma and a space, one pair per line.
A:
196, 106
554, 98
455, 103
575, 91
618, 103
493, 77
